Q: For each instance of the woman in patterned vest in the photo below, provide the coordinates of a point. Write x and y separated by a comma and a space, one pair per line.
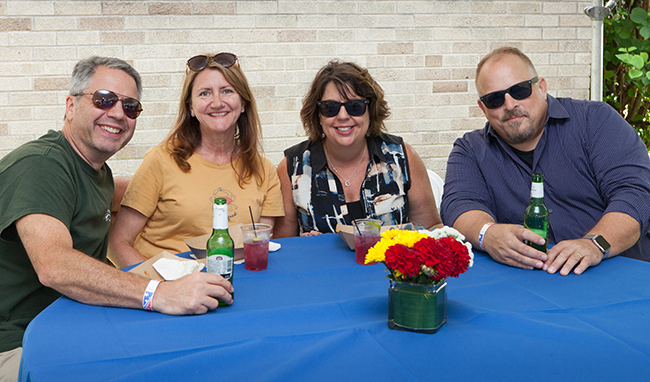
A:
350, 168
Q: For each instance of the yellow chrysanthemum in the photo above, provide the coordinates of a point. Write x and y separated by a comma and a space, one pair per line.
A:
409, 238
390, 234
378, 251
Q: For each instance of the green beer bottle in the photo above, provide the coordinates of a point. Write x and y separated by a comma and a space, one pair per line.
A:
536, 217
220, 249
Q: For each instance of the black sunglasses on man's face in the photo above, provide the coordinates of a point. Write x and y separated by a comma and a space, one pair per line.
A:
518, 91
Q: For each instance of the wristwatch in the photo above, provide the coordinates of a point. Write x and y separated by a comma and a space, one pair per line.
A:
600, 242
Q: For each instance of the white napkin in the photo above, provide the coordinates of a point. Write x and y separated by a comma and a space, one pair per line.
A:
171, 269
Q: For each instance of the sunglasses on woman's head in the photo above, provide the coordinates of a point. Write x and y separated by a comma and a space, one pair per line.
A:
518, 91
354, 107
198, 63
106, 99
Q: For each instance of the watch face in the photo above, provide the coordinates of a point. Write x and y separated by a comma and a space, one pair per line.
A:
602, 242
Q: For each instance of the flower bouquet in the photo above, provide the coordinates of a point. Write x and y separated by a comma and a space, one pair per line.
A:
419, 263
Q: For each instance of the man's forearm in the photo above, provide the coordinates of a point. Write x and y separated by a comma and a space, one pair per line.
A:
73, 273
87, 280
470, 224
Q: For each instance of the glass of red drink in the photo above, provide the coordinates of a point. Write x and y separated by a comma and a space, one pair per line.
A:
256, 246
367, 232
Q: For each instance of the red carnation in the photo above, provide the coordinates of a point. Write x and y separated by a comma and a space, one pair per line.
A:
457, 256
402, 259
428, 250
446, 264
434, 255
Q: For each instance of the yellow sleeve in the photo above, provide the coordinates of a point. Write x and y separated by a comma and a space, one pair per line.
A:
272, 205
145, 187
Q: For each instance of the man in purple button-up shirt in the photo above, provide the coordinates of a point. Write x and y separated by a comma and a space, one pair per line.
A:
596, 173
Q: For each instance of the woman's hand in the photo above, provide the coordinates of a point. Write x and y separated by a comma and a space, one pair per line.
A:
311, 233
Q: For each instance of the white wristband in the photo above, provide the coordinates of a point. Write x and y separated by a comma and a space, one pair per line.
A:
481, 235
147, 298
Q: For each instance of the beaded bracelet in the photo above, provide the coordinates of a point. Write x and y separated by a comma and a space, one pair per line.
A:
147, 298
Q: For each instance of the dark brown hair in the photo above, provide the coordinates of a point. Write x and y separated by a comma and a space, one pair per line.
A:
348, 78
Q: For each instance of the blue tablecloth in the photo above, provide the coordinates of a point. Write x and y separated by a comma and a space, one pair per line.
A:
315, 315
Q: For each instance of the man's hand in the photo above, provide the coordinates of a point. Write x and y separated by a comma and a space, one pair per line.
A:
192, 294
579, 253
505, 243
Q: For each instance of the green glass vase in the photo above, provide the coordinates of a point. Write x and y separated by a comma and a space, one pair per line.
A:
418, 308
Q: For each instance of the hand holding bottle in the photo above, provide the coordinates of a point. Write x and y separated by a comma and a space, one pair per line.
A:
505, 244
196, 293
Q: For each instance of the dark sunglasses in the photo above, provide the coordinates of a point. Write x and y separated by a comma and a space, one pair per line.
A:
198, 63
354, 107
518, 91
106, 99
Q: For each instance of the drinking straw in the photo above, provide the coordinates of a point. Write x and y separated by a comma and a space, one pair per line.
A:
252, 221
354, 223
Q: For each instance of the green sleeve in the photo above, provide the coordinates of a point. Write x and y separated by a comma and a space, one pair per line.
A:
36, 185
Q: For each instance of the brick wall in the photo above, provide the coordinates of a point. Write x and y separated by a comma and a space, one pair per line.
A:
422, 52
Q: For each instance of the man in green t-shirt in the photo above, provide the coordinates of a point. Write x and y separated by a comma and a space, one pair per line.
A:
55, 210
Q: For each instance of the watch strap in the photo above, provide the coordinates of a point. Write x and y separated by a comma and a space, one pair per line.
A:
604, 247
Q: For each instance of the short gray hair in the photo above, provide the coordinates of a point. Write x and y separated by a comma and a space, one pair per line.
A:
83, 72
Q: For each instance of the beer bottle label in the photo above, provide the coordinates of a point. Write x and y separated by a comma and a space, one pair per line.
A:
537, 190
220, 265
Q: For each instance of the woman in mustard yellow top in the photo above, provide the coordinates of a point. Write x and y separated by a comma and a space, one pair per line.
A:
212, 151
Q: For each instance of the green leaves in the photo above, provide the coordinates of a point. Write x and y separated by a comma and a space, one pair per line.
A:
624, 34
637, 62
632, 59
626, 77
645, 32
633, 73
639, 15
642, 18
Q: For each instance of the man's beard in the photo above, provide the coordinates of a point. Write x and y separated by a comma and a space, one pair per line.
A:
512, 129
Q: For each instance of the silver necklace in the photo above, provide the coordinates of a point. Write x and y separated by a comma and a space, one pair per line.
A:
346, 182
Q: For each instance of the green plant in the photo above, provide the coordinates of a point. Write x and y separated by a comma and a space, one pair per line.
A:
627, 65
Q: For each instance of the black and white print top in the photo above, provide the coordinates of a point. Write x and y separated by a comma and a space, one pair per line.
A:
318, 194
